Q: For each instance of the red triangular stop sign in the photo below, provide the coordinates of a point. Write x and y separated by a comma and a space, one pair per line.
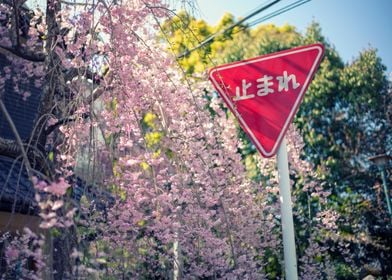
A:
264, 92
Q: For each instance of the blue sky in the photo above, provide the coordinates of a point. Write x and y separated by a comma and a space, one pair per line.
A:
349, 25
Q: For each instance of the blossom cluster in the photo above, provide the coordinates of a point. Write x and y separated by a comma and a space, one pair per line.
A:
163, 146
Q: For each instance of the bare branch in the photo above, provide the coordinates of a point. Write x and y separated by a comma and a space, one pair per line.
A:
75, 72
76, 3
25, 54
51, 128
15, 24
91, 98
10, 3
9, 148
18, 140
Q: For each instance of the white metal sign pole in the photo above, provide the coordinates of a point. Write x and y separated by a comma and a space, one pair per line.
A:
177, 258
290, 256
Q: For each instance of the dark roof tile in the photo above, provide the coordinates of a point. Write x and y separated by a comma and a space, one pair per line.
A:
22, 112
16, 191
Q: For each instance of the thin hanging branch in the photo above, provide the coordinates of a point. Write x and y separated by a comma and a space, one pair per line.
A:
18, 140
25, 54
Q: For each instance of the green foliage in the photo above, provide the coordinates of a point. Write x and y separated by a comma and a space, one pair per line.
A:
273, 267
343, 120
345, 272
185, 32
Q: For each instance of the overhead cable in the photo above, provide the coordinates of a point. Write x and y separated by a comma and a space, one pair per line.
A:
211, 37
252, 14
278, 12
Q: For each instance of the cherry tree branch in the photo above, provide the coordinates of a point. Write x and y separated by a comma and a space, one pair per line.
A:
9, 148
25, 54
53, 75
18, 139
75, 72
76, 3
66, 120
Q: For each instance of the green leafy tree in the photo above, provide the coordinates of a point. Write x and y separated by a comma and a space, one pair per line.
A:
343, 120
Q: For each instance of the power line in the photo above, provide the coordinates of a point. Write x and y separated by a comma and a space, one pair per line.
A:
210, 38
275, 13
257, 21
278, 12
255, 8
